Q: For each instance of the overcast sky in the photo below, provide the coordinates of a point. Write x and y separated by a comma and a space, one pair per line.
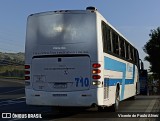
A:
133, 18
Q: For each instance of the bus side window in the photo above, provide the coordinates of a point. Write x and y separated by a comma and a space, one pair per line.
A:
115, 43
106, 38
122, 47
135, 56
127, 51
131, 53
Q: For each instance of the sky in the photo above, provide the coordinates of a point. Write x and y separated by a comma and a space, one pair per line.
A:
133, 18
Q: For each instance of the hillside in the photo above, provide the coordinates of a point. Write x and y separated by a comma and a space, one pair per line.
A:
12, 65
11, 58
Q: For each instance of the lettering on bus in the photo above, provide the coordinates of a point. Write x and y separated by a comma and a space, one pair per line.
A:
82, 82
129, 68
58, 52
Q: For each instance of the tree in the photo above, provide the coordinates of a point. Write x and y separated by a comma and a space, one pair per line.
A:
152, 48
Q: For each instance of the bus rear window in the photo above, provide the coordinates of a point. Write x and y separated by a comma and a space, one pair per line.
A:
62, 28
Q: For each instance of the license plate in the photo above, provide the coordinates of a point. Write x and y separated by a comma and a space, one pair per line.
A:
60, 85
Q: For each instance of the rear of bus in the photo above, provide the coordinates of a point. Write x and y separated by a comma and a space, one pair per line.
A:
61, 59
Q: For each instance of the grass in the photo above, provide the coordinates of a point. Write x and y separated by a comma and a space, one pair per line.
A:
12, 72
10, 68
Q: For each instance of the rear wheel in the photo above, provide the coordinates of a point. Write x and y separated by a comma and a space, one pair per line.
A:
57, 109
103, 109
100, 109
115, 107
132, 98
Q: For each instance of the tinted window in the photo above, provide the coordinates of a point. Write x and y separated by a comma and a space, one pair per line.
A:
117, 46
131, 53
115, 43
49, 29
127, 50
106, 38
122, 47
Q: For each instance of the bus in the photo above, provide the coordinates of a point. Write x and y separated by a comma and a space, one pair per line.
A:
75, 58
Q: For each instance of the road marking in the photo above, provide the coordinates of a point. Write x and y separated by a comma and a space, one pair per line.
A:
148, 110
13, 81
151, 105
11, 91
12, 101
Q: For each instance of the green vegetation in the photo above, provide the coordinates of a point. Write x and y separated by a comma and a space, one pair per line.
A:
152, 49
11, 65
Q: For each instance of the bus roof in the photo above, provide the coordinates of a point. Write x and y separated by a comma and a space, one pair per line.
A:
63, 12
88, 10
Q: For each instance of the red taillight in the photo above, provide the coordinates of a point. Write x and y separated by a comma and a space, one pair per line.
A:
96, 71
27, 66
27, 77
27, 72
96, 74
96, 77
96, 65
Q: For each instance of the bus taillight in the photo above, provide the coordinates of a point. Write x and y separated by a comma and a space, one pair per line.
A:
27, 72
96, 77
96, 71
96, 65
27, 66
27, 77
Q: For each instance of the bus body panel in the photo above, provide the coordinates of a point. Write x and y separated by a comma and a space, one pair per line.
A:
61, 33
61, 52
75, 98
119, 71
59, 74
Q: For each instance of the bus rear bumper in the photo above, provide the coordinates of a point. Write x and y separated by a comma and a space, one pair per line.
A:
84, 98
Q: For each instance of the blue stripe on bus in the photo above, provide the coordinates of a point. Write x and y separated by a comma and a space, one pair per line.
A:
113, 82
110, 64
114, 65
129, 81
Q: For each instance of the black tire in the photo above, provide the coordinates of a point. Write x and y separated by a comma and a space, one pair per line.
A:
103, 109
114, 108
100, 109
132, 98
57, 109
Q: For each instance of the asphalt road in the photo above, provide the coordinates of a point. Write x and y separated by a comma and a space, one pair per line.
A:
12, 101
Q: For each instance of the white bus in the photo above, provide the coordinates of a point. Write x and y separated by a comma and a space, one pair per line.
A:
76, 58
